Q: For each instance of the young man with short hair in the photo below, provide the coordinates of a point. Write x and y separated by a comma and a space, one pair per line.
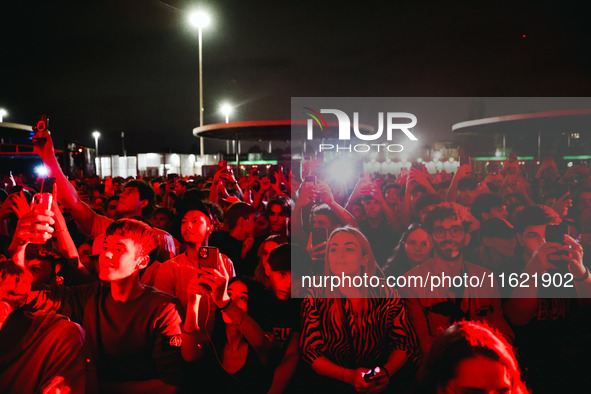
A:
488, 206
551, 317
497, 251
282, 319
463, 187
133, 331
238, 243
43, 264
174, 275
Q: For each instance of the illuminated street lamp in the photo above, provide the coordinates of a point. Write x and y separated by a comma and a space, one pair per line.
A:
226, 109
200, 19
96, 136
3, 113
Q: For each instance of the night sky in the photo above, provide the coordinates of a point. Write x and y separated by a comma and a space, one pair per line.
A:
132, 65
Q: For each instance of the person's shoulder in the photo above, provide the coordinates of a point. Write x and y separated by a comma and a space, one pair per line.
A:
175, 261
421, 269
94, 287
260, 239
219, 235
162, 233
316, 293
229, 263
51, 324
476, 269
159, 296
100, 223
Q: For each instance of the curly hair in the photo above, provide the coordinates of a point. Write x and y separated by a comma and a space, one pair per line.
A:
447, 210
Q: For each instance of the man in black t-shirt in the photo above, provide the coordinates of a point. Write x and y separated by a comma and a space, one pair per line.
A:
238, 242
133, 332
283, 319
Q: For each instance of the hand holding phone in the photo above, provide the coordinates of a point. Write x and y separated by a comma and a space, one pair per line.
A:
42, 202
310, 179
417, 166
372, 375
42, 143
208, 257
319, 235
555, 233
317, 251
40, 130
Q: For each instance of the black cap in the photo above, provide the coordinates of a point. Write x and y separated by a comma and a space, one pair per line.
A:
280, 258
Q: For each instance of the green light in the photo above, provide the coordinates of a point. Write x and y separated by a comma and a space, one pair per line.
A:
583, 157
495, 158
491, 158
254, 162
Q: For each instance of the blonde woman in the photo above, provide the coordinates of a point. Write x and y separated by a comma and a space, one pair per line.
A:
351, 330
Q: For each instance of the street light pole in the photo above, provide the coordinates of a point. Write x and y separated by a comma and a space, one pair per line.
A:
97, 161
226, 109
123, 144
200, 20
96, 136
201, 142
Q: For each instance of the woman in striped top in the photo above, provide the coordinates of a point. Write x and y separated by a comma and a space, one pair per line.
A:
351, 330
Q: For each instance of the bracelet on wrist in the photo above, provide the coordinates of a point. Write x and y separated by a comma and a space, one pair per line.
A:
387, 372
584, 277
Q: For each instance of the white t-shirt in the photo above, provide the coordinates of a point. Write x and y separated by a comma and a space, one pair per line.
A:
174, 275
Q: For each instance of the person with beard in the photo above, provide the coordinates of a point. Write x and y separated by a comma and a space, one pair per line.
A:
433, 310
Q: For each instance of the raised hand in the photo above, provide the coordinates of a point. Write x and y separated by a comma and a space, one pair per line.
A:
20, 206
35, 227
44, 145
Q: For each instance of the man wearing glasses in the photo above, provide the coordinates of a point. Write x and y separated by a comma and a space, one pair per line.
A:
434, 303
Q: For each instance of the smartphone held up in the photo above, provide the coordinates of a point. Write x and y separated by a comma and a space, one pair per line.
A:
43, 201
40, 130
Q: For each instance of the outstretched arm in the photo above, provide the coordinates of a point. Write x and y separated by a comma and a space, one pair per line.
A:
66, 193
65, 244
325, 194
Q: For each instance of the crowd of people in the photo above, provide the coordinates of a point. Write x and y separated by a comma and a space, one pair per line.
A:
195, 284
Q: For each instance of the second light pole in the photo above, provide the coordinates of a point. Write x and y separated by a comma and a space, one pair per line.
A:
226, 109
96, 136
97, 160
